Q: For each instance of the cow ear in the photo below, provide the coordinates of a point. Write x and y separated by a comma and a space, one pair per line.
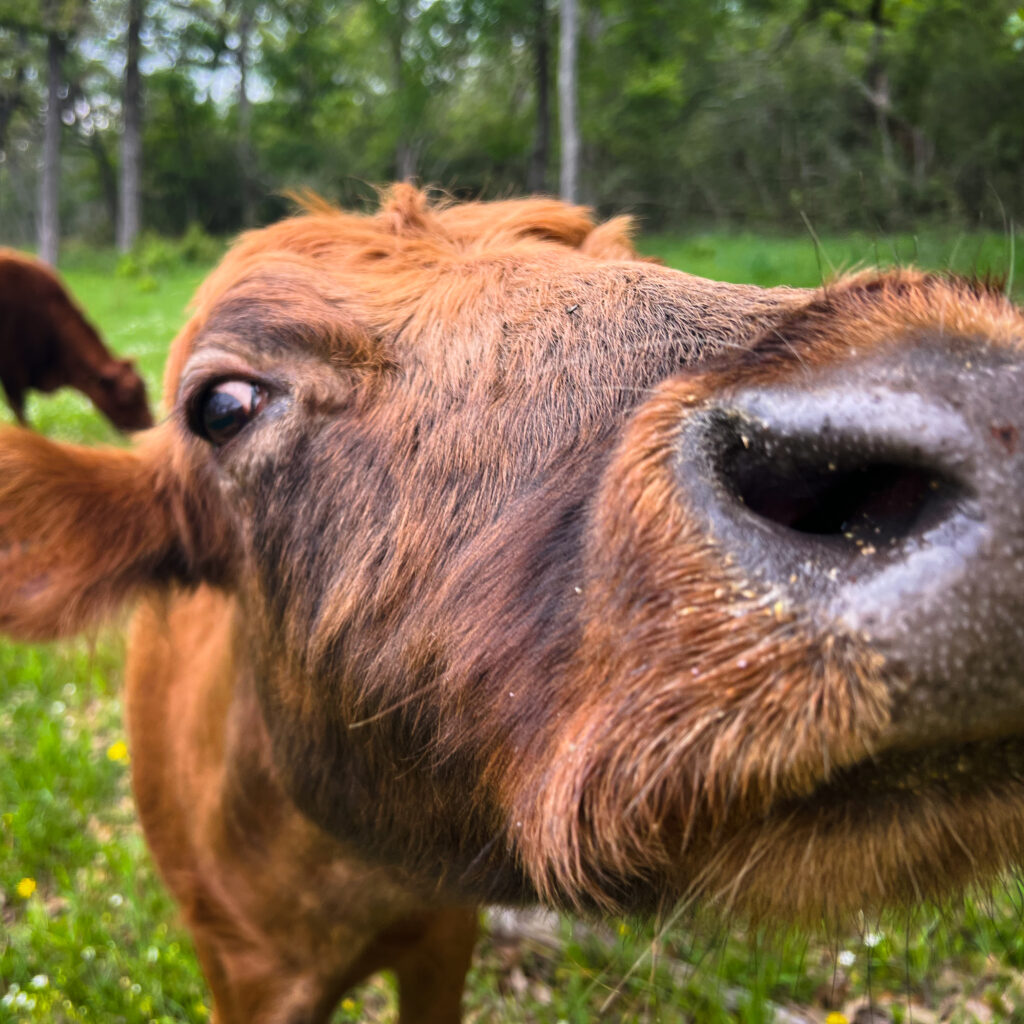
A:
83, 530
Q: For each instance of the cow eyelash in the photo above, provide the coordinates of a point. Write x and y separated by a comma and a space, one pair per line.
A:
224, 408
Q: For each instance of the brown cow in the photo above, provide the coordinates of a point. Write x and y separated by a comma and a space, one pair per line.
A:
480, 561
47, 343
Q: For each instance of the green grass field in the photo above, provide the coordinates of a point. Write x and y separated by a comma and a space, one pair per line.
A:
88, 934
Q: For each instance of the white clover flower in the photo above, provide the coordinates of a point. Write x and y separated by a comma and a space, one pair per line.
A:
39, 981
847, 958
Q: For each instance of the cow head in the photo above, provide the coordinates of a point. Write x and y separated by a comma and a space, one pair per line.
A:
560, 573
120, 394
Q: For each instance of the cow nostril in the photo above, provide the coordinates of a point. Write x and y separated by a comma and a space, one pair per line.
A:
835, 489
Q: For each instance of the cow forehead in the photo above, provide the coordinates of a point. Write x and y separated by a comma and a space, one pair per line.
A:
571, 324
332, 279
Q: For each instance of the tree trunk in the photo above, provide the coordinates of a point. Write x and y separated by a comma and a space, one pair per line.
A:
49, 192
13, 99
881, 101
406, 151
536, 176
186, 152
245, 112
108, 179
882, 104
567, 47
131, 141
923, 152
406, 160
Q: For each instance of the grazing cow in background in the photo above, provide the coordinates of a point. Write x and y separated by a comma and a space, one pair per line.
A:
480, 561
46, 343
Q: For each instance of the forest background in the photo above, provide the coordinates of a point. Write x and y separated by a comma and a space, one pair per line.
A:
166, 115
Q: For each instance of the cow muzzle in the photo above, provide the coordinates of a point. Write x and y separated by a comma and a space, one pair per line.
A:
883, 499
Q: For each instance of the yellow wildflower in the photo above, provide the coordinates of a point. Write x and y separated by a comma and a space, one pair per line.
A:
348, 1005
118, 751
837, 1018
26, 887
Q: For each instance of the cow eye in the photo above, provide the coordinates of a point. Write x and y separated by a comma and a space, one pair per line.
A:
224, 409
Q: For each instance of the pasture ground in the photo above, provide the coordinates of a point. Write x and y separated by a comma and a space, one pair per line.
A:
87, 933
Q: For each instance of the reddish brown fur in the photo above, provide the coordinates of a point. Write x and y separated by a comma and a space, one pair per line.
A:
437, 627
46, 343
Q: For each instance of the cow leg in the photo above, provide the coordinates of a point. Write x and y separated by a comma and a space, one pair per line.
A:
16, 400
429, 953
432, 973
250, 987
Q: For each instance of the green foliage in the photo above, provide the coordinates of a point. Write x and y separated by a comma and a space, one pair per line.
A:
198, 247
190, 171
154, 256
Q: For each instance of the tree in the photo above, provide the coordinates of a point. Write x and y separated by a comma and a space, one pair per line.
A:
57, 21
536, 175
568, 44
13, 92
243, 30
212, 34
407, 146
131, 139
49, 182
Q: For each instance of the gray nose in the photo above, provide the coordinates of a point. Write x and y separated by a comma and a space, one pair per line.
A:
884, 499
